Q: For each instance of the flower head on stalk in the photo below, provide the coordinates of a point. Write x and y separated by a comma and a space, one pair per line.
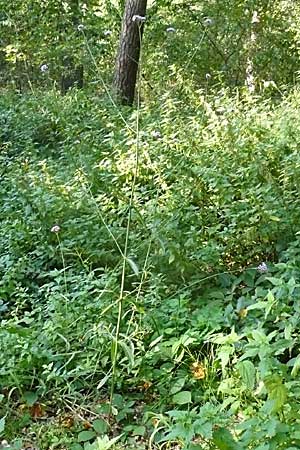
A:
137, 18
55, 229
262, 268
44, 68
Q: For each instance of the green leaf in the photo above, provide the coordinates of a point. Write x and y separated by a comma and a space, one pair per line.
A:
100, 426
271, 427
2, 424
275, 281
105, 443
296, 366
84, 436
103, 381
177, 386
104, 408
15, 329
156, 341
224, 355
128, 352
76, 447
275, 218
247, 372
30, 397
277, 391
183, 397
138, 430
133, 266
223, 439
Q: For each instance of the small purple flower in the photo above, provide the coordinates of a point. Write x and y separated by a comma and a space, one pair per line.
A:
262, 268
55, 229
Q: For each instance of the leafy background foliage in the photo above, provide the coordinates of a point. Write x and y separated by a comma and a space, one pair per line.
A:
208, 346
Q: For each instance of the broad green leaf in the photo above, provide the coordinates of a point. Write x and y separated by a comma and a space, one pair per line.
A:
275, 281
87, 435
138, 430
183, 397
258, 305
223, 439
224, 355
177, 386
247, 372
76, 447
271, 427
100, 426
277, 391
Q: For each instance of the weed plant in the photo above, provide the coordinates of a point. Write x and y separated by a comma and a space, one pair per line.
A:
198, 349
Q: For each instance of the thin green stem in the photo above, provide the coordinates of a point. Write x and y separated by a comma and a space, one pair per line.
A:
64, 268
125, 252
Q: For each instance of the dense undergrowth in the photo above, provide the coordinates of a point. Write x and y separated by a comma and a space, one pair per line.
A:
207, 345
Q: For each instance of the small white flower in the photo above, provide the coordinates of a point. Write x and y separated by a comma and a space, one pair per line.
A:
267, 84
208, 76
156, 134
208, 22
55, 229
171, 30
44, 68
80, 27
137, 18
107, 32
255, 18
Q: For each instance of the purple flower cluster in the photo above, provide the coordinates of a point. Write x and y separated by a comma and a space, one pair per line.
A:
262, 268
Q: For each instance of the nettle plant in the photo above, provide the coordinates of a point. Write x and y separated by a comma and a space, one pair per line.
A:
254, 386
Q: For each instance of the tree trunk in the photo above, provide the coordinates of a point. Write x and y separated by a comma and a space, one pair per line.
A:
129, 50
252, 49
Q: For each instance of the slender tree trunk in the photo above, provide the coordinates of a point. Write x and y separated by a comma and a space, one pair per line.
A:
129, 50
252, 49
